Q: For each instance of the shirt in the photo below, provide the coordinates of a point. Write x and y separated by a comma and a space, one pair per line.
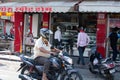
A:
57, 35
113, 38
39, 43
83, 39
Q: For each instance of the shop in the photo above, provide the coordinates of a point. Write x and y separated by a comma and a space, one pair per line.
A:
114, 21
104, 11
6, 30
30, 17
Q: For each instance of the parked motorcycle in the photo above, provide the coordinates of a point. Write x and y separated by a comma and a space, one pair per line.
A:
61, 68
105, 67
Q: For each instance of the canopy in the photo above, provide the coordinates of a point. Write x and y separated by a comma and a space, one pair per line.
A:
54, 6
100, 6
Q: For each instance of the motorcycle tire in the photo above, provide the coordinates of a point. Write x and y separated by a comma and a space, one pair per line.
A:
72, 76
91, 69
117, 67
25, 71
109, 77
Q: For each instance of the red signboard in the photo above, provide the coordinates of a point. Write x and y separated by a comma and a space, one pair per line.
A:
25, 9
101, 33
45, 20
115, 22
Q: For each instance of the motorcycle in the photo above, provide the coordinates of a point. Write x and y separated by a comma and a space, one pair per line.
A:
105, 67
61, 68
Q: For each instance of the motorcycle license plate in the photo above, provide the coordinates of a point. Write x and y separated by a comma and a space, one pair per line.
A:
112, 70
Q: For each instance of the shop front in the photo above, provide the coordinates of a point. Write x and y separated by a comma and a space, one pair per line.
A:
114, 21
104, 11
30, 17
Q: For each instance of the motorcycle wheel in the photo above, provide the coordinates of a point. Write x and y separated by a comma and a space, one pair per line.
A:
109, 77
25, 71
72, 76
91, 69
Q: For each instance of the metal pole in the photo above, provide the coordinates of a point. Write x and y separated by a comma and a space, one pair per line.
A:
108, 29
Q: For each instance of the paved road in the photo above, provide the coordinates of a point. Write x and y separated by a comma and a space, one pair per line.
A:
87, 75
8, 69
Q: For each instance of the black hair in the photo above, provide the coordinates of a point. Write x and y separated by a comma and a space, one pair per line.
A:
52, 47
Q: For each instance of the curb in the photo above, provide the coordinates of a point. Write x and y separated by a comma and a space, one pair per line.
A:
10, 59
4, 55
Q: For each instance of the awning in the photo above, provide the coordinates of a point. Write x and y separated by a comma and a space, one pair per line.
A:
100, 6
54, 6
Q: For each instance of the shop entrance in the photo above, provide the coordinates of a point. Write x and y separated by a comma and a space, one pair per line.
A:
72, 23
113, 21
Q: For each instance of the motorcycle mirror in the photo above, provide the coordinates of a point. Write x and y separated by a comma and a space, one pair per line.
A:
60, 53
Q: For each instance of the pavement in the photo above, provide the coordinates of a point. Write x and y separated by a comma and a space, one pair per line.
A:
8, 55
83, 70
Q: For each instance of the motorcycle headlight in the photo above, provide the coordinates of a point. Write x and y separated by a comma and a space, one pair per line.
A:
68, 59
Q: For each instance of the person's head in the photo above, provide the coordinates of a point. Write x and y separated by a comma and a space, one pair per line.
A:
81, 29
44, 32
115, 29
58, 27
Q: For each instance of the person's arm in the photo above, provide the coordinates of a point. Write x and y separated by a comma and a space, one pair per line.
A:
78, 40
59, 36
44, 50
57, 50
108, 38
88, 39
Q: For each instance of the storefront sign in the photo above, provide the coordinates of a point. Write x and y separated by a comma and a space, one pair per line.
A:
26, 9
45, 24
101, 19
114, 22
101, 22
45, 20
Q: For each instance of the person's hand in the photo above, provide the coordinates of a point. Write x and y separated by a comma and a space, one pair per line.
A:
52, 53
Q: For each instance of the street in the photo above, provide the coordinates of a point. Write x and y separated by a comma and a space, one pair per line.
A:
8, 70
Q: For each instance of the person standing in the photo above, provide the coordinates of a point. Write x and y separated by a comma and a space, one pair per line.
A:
82, 41
113, 38
57, 37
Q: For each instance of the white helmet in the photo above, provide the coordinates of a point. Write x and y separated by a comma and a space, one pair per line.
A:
44, 32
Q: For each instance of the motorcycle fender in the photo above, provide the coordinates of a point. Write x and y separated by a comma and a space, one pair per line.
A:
21, 66
72, 70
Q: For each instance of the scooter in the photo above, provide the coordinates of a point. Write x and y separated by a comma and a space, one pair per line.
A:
104, 67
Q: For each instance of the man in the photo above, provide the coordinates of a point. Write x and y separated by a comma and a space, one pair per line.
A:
113, 37
42, 51
82, 41
57, 37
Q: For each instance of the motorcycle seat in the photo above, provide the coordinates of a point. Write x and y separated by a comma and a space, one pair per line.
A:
25, 59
